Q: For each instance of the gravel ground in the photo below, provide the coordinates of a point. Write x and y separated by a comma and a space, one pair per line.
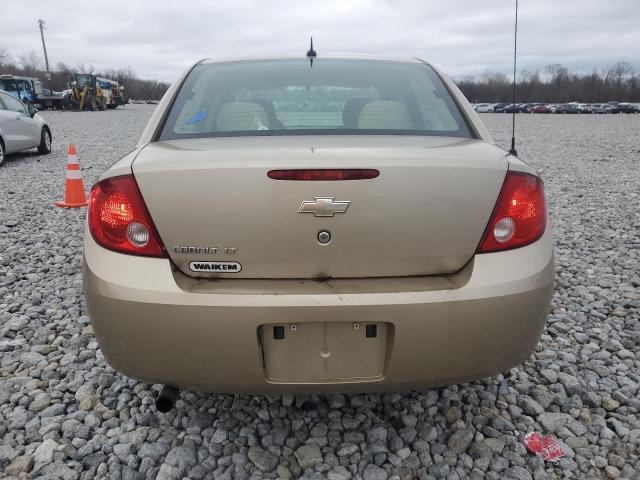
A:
65, 414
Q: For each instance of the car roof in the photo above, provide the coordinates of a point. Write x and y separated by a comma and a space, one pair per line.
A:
319, 58
16, 77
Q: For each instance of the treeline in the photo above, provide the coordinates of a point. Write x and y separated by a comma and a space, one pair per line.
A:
32, 65
556, 85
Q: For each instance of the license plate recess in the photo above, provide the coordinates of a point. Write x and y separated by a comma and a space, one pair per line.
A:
324, 351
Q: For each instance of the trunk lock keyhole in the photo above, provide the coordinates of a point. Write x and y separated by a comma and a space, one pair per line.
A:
324, 237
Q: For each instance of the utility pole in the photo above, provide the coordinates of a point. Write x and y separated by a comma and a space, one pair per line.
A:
44, 47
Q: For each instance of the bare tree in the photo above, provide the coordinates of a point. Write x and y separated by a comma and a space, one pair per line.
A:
618, 83
84, 68
530, 87
62, 67
30, 62
61, 76
617, 75
5, 57
559, 76
620, 71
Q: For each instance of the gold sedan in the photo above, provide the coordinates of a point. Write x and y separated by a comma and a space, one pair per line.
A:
350, 226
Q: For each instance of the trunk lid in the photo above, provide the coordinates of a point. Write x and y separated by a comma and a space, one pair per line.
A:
211, 201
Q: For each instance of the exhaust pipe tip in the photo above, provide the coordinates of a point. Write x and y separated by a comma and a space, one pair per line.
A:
167, 398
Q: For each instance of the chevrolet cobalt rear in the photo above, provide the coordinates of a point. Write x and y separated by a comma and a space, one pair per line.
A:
349, 226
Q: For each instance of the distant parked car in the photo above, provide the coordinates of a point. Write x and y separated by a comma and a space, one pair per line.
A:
542, 108
568, 108
585, 108
511, 108
484, 107
526, 107
530, 107
623, 108
601, 108
499, 107
21, 128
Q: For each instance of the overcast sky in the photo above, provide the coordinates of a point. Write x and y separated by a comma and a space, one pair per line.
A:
159, 38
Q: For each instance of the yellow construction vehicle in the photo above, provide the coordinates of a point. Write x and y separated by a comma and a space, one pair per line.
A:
85, 94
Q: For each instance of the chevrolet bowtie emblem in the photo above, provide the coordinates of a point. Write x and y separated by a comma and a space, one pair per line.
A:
323, 206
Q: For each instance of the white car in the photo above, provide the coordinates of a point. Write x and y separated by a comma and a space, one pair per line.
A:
484, 107
21, 128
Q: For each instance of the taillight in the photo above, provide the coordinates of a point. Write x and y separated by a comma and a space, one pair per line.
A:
119, 220
519, 217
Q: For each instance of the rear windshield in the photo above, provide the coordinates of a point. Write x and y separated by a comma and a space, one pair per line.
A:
335, 96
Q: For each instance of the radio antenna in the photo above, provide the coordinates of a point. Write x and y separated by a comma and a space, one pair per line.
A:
513, 151
311, 53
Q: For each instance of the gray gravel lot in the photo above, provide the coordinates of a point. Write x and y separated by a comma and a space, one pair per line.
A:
64, 414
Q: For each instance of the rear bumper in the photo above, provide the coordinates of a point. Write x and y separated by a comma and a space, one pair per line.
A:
159, 326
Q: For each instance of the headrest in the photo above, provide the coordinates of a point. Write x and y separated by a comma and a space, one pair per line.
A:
385, 115
272, 116
241, 116
351, 111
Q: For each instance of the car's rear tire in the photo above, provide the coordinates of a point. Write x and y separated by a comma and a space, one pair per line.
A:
45, 141
1, 152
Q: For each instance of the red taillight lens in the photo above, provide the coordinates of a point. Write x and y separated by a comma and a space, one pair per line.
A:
520, 215
119, 220
325, 174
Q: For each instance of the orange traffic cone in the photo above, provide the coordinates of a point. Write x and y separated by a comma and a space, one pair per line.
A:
74, 196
